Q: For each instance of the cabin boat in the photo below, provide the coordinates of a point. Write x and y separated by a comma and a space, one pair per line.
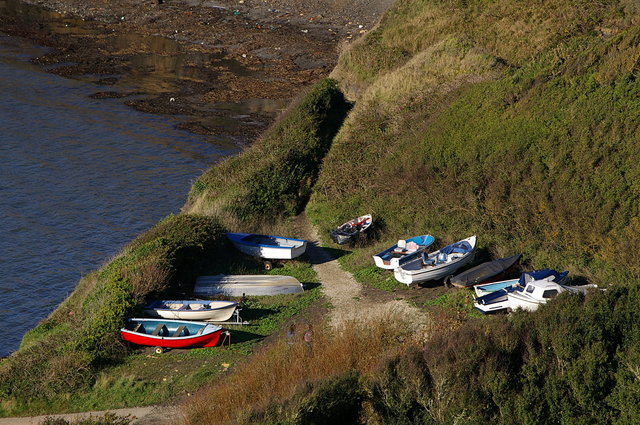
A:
239, 285
548, 274
212, 311
540, 292
390, 258
498, 301
437, 264
268, 247
484, 272
348, 231
167, 333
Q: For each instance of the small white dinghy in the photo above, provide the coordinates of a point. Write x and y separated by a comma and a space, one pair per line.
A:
390, 258
239, 285
349, 231
437, 264
268, 247
210, 311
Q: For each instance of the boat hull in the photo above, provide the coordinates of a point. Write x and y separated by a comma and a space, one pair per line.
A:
268, 247
252, 285
484, 272
197, 334
390, 258
414, 271
212, 311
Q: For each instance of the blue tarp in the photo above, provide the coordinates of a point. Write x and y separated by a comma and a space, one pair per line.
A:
541, 274
461, 247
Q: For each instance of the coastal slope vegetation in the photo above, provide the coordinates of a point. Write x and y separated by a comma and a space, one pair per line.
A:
516, 122
510, 121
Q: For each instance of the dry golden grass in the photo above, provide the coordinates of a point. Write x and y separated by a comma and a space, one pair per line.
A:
278, 371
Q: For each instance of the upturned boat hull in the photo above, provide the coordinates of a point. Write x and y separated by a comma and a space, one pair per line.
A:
484, 272
239, 285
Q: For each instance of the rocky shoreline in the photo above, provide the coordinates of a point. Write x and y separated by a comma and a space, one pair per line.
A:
227, 52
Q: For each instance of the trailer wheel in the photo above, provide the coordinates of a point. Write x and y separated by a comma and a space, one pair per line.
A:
447, 281
268, 265
159, 350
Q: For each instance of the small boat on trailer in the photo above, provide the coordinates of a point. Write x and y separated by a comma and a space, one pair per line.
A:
350, 230
483, 272
239, 285
438, 264
268, 247
165, 333
211, 311
390, 258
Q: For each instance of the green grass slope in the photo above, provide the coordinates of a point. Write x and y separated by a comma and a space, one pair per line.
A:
516, 122
274, 177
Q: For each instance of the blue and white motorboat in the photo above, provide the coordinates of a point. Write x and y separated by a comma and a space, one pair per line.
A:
540, 292
438, 264
543, 274
390, 258
268, 247
495, 296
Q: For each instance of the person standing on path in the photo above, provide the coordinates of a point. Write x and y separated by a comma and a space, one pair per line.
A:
291, 334
308, 335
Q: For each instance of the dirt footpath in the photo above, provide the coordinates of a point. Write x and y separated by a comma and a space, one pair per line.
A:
348, 298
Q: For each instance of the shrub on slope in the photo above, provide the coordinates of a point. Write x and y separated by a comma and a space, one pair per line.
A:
273, 178
64, 351
542, 160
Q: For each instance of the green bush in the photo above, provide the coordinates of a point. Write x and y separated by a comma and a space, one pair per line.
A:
64, 352
274, 177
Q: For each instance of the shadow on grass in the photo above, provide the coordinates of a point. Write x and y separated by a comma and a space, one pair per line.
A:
310, 285
238, 336
320, 255
252, 313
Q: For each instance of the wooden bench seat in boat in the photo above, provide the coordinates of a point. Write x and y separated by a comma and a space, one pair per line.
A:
158, 330
179, 331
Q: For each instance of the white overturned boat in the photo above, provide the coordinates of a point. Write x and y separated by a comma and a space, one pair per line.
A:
540, 292
390, 258
438, 264
211, 311
268, 247
239, 285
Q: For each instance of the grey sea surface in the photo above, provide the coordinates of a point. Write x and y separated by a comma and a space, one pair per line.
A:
79, 178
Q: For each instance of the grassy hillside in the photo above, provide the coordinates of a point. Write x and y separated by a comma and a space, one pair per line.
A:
513, 121
275, 176
516, 123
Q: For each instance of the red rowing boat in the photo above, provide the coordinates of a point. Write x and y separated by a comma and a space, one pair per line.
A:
170, 333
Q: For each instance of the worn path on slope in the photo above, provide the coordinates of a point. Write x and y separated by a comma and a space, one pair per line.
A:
345, 294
